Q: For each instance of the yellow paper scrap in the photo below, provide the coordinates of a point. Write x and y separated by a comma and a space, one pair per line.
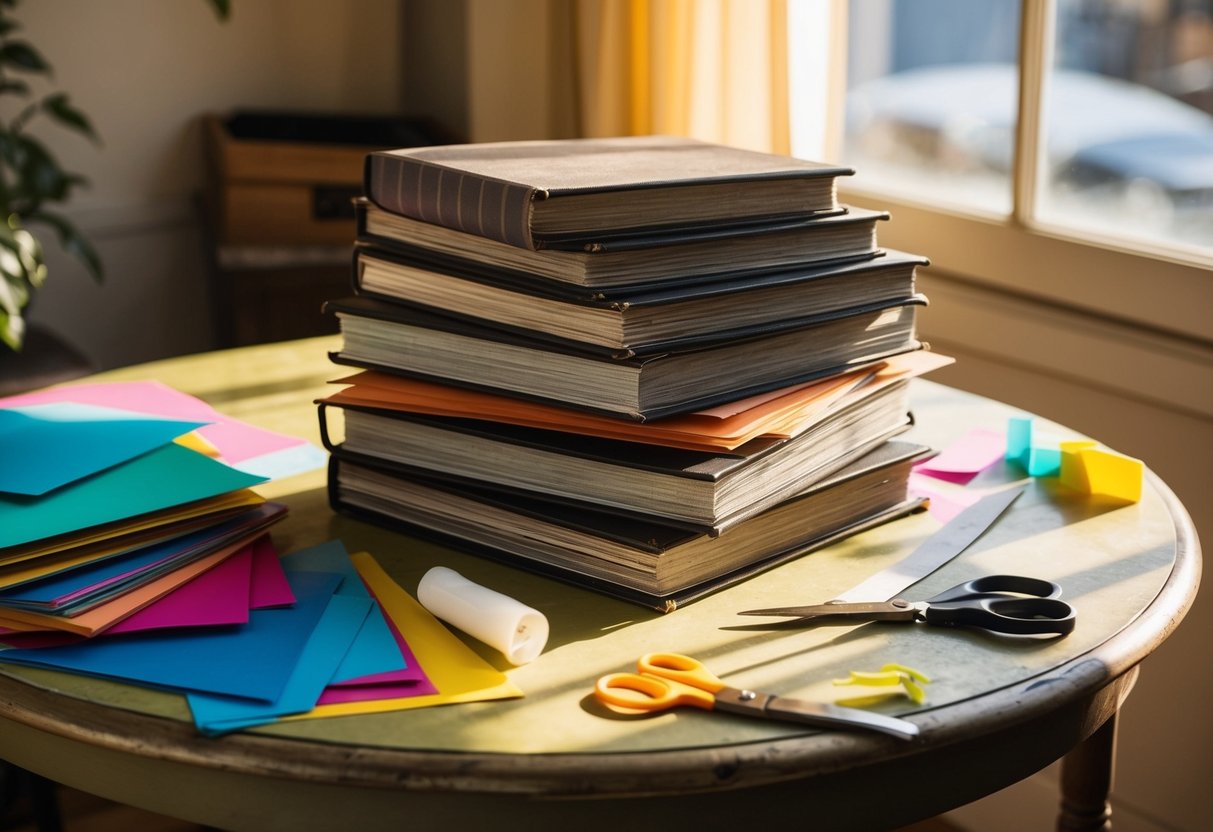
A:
455, 669
898, 679
196, 442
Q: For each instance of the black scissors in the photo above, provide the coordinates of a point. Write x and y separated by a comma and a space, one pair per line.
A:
1001, 603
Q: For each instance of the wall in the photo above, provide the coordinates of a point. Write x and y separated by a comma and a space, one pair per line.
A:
144, 70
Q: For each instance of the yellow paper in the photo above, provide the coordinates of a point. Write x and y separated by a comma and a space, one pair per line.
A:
459, 674
1113, 475
1073, 472
1088, 468
196, 442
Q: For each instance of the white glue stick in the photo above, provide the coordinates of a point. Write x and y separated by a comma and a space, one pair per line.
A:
499, 621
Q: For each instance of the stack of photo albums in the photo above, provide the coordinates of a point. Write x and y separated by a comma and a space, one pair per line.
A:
651, 366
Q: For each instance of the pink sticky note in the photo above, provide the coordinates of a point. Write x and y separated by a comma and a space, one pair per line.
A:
967, 457
945, 503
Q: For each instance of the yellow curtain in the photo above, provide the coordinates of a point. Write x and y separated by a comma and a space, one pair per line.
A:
715, 70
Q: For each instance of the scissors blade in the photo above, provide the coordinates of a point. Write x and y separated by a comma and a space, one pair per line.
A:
895, 610
825, 715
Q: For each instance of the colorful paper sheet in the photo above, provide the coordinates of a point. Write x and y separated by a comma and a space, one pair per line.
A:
455, 669
105, 615
123, 534
50, 445
375, 650
167, 476
943, 502
1092, 469
87, 585
326, 646
254, 661
244, 446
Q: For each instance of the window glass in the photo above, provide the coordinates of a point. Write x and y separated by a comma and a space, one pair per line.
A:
1129, 119
932, 92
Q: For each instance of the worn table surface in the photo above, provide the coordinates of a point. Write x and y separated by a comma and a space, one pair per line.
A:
1130, 571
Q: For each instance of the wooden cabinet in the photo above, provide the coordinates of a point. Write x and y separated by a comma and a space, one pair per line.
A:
279, 213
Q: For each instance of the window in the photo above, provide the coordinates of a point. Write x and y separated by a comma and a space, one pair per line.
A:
1059, 149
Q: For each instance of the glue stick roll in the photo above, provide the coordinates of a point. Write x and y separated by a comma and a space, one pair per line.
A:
504, 624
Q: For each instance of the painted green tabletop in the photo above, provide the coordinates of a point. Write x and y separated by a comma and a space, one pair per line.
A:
1129, 570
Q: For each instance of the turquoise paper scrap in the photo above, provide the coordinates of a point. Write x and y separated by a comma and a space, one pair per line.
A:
48, 446
167, 476
375, 651
253, 661
1028, 452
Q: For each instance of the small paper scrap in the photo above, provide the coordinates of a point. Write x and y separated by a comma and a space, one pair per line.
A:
896, 679
1091, 469
1037, 455
1081, 465
967, 457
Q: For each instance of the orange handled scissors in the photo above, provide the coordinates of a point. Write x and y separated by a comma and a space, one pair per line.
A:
666, 680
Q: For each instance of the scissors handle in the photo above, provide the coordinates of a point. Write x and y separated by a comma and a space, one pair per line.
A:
679, 668
638, 692
998, 585
661, 681
1005, 614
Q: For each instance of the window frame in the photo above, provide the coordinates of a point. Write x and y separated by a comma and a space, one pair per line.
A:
1168, 290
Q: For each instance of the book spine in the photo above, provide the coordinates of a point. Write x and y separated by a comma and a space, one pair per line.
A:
431, 193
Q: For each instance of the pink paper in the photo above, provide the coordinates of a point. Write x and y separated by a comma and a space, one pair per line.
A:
236, 441
967, 457
270, 587
392, 684
251, 578
944, 503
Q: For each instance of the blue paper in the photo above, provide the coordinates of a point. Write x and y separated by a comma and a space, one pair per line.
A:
252, 660
375, 650
102, 579
329, 642
47, 446
165, 477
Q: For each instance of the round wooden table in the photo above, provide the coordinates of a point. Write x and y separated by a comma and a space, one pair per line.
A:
997, 711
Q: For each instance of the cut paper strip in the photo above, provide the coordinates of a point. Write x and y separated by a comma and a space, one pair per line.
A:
325, 648
1037, 455
236, 441
375, 651
943, 503
1091, 469
254, 661
166, 476
48, 446
455, 669
967, 457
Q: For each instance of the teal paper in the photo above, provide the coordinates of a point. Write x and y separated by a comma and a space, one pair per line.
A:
47, 446
375, 650
329, 642
167, 476
252, 660
1036, 461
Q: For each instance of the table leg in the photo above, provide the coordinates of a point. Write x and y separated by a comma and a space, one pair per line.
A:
1086, 780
